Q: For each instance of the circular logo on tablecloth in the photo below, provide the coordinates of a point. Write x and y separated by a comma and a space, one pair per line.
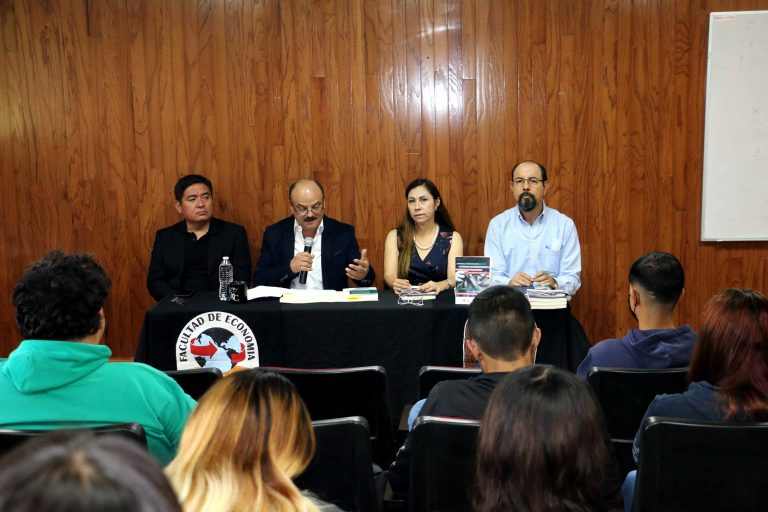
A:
216, 340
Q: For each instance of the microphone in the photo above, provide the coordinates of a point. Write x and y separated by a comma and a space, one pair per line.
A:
308, 242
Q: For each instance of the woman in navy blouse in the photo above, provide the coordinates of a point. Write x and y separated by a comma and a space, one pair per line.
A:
422, 250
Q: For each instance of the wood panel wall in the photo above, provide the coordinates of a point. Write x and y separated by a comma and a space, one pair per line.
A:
105, 103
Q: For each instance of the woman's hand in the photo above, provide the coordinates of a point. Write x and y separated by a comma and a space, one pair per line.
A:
432, 286
400, 284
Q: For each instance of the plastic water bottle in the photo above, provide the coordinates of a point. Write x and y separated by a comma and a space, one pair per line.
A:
226, 274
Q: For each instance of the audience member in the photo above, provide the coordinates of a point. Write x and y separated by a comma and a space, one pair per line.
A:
502, 335
186, 255
248, 438
729, 368
542, 445
656, 283
78, 472
532, 244
61, 374
422, 250
283, 256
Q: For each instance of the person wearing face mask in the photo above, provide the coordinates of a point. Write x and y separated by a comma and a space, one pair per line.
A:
309, 242
422, 251
502, 335
532, 244
656, 282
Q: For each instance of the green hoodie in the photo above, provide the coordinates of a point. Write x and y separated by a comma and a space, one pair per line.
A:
59, 384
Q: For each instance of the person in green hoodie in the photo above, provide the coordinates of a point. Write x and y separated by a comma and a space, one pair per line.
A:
60, 375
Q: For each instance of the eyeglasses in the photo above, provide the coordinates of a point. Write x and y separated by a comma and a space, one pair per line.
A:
303, 210
532, 182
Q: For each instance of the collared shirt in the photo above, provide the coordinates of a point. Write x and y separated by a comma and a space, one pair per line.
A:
550, 244
315, 276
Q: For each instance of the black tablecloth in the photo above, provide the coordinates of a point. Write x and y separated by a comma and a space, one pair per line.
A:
401, 338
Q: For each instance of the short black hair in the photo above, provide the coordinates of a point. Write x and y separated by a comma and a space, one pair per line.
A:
187, 181
501, 322
293, 186
71, 470
59, 297
540, 166
661, 275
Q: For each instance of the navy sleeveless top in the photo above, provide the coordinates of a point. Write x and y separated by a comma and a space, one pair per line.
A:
434, 267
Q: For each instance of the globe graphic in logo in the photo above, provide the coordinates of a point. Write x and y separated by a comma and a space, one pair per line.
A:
217, 348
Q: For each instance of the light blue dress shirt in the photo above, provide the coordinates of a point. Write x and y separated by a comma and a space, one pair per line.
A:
550, 244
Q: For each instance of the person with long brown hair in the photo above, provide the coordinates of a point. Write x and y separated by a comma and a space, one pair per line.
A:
729, 368
422, 250
542, 445
248, 438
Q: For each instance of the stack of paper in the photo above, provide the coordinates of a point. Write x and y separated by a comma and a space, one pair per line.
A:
413, 294
547, 299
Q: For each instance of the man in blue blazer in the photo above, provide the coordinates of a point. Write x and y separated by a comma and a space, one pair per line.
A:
186, 255
283, 251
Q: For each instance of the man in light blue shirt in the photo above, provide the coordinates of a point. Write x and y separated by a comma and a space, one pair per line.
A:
532, 244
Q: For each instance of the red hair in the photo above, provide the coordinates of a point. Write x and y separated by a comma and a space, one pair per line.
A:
732, 352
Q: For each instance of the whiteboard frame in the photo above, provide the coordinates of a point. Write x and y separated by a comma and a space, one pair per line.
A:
711, 233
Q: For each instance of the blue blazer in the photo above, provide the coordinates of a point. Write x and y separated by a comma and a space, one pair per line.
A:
166, 267
339, 249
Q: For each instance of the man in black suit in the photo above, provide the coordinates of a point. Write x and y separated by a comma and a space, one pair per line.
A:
283, 254
186, 255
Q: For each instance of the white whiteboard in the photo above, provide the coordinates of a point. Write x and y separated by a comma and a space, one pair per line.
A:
734, 203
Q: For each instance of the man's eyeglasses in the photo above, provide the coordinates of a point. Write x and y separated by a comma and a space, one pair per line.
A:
532, 182
303, 210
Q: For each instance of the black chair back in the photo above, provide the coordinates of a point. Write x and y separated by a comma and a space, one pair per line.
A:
343, 392
699, 466
624, 395
197, 381
342, 470
431, 375
11, 438
443, 464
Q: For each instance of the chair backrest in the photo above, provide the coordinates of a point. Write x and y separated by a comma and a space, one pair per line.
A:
342, 392
431, 375
342, 470
692, 465
624, 395
442, 464
11, 438
197, 381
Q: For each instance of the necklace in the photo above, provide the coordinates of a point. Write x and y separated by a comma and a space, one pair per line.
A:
428, 247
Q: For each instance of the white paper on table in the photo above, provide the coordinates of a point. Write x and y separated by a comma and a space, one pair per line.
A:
300, 296
260, 292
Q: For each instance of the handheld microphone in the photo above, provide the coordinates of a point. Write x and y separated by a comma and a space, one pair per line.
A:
308, 242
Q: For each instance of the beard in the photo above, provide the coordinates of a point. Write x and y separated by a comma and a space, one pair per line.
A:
527, 201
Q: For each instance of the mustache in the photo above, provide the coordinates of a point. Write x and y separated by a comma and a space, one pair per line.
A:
309, 219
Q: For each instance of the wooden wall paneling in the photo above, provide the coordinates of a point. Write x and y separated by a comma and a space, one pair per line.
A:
414, 146
353, 184
428, 106
104, 104
491, 137
459, 184
442, 86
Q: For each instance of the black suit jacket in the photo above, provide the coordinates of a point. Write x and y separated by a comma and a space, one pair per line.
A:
339, 249
166, 268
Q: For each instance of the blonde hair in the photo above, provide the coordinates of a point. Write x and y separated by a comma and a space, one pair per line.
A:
249, 436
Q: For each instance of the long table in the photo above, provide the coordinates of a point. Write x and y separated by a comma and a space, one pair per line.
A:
401, 338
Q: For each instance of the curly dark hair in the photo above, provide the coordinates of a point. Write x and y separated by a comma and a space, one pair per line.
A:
59, 297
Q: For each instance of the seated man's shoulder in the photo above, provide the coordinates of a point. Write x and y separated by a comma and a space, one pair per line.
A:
282, 224
178, 226
227, 226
